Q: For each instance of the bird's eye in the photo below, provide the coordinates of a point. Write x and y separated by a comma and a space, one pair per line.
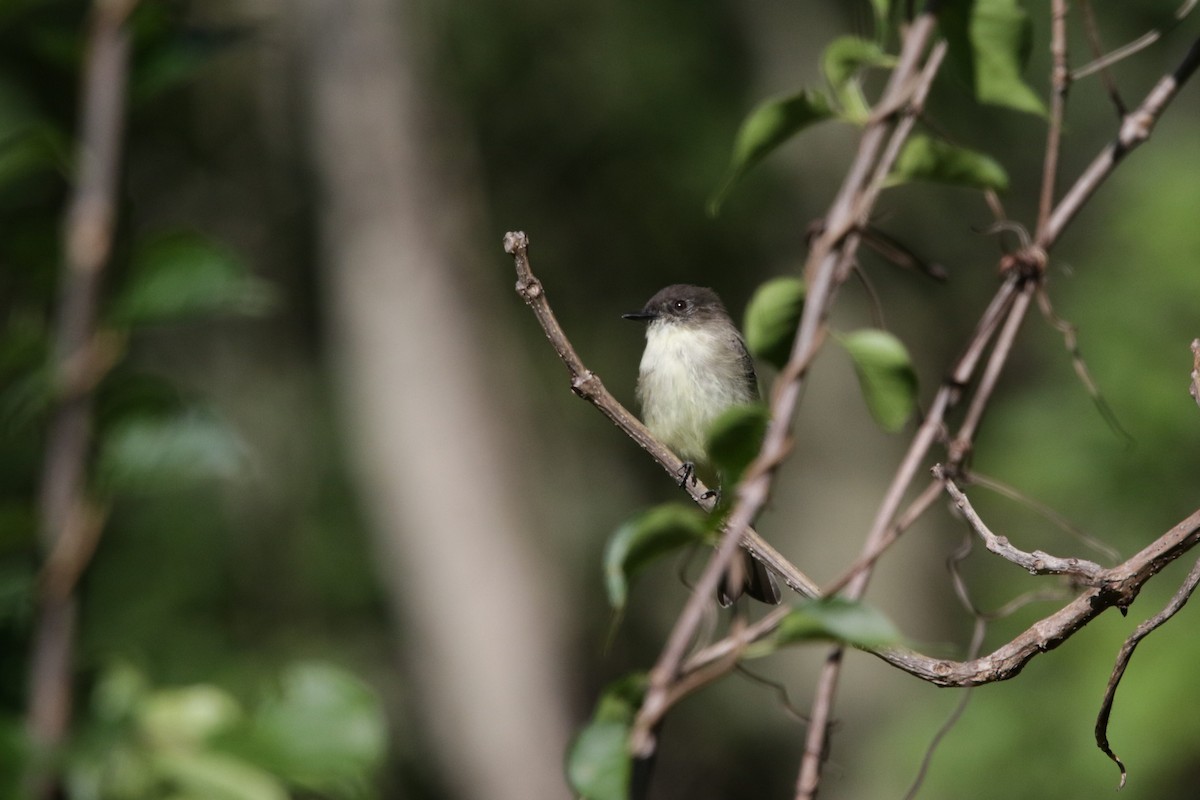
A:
680, 305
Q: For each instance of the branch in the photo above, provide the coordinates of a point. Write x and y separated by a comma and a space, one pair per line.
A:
964, 439
1092, 30
1061, 83
1047, 513
1025, 277
1085, 572
1135, 129
587, 384
1126, 653
69, 526
1116, 587
1138, 44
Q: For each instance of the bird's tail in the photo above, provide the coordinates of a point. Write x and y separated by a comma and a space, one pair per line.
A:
748, 576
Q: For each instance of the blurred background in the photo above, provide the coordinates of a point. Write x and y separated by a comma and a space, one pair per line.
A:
357, 553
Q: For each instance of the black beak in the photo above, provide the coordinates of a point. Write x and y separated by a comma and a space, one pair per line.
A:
639, 316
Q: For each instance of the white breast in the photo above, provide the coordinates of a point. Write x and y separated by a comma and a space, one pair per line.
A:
690, 374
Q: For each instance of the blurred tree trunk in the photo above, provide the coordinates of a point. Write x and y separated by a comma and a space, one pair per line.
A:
479, 625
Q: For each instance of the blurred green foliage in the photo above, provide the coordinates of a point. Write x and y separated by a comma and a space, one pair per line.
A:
319, 730
164, 587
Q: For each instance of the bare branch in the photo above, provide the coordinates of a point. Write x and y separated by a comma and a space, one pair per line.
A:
867, 560
1135, 129
1060, 79
965, 437
1116, 587
1136, 46
1086, 572
1141, 632
1045, 511
1092, 30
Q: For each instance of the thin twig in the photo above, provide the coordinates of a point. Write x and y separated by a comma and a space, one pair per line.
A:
915, 510
1137, 45
1071, 342
69, 526
1060, 80
1135, 130
780, 690
1085, 572
896, 252
965, 437
1092, 29
979, 630
1045, 511
1141, 632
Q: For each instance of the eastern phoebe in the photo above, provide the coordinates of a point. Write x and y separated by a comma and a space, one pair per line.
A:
696, 366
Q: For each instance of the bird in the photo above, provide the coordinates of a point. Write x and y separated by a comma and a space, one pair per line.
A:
696, 366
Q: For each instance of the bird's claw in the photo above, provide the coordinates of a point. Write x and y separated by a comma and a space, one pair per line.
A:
686, 472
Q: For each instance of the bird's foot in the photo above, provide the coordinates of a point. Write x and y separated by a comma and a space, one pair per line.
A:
687, 472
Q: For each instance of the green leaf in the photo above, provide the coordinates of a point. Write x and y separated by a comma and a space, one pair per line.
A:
646, 537
599, 766
324, 730
215, 776
938, 161
772, 317
990, 42
188, 716
769, 125
846, 55
119, 693
734, 439
842, 61
834, 619
159, 453
886, 375
183, 276
622, 698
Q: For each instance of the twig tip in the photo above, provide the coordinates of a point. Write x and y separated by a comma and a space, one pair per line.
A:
515, 241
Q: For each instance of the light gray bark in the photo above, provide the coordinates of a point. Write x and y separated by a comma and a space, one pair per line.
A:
479, 625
